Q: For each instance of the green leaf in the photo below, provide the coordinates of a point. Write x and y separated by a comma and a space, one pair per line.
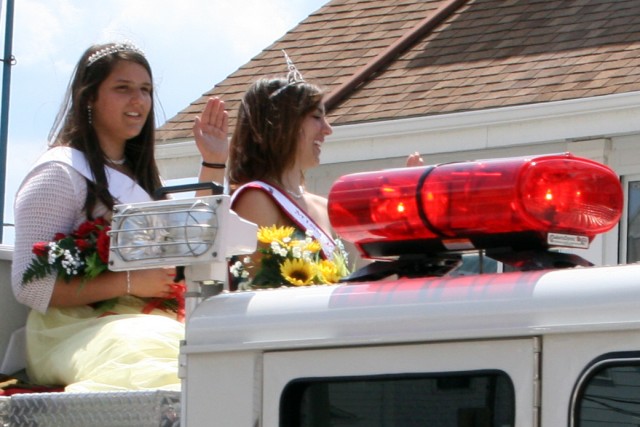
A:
93, 266
269, 273
38, 269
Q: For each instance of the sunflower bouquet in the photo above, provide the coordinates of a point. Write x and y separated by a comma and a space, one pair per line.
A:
289, 258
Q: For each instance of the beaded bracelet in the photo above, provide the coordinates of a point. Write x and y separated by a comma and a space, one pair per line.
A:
214, 165
128, 282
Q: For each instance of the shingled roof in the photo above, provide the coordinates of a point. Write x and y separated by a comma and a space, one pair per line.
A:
384, 60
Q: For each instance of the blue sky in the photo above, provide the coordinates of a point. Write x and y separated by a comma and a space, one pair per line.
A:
191, 44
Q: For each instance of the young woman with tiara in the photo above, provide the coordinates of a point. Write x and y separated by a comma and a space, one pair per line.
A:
101, 154
279, 133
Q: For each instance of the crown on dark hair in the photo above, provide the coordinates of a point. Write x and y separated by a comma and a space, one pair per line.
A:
117, 47
293, 76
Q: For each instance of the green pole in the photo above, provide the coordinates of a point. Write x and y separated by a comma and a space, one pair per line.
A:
8, 62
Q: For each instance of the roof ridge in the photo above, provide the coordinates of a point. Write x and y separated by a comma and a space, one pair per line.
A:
384, 57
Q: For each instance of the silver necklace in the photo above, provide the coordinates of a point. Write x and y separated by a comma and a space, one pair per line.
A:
118, 162
297, 195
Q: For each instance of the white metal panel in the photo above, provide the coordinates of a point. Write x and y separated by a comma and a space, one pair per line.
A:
625, 227
564, 359
514, 357
6, 252
14, 315
419, 310
625, 157
222, 389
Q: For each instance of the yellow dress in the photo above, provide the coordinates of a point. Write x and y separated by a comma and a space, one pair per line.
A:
86, 351
79, 347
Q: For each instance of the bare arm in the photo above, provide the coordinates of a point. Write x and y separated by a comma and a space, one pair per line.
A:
256, 206
210, 132
142, 283
51, 201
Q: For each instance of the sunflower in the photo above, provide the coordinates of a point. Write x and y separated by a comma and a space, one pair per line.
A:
312, 246
328, 272
298, 272
304, 248
274, 234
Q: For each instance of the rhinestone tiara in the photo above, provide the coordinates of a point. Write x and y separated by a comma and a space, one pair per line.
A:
117, 47
293, 76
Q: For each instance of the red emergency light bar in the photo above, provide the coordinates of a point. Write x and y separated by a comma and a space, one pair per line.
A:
540, 201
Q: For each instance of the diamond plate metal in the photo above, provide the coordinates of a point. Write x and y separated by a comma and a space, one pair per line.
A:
156, 408
4, 411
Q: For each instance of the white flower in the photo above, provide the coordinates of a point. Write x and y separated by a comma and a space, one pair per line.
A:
296, 252
343, 252
244, 285
237, 269
54, 253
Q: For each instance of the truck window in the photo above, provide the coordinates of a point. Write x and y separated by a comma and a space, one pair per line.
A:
476, 263
633, 222
464, 399
610, 395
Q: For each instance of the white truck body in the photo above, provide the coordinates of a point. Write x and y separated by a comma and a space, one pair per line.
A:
544, 330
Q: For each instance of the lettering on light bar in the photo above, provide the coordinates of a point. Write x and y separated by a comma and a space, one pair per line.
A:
523, 202
556, 239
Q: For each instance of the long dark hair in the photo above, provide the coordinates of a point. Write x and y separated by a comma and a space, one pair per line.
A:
267, 129
72, 126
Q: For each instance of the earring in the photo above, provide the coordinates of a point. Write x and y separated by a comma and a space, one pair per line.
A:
89, 114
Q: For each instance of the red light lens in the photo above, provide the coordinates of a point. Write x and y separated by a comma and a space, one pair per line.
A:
472, 197
557, 193
372, 206
572, 195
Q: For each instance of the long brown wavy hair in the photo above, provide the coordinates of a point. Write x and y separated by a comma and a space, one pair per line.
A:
268, 127
72, 126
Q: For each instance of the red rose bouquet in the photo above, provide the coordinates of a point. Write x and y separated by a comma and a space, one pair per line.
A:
85, 253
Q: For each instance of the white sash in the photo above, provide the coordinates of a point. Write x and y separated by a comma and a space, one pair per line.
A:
122, 188
294, 212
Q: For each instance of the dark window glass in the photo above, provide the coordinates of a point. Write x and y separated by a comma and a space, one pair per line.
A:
477, 399
473, 264
610, 396
633, 223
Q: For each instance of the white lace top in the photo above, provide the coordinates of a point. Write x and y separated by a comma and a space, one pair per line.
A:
50, 200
